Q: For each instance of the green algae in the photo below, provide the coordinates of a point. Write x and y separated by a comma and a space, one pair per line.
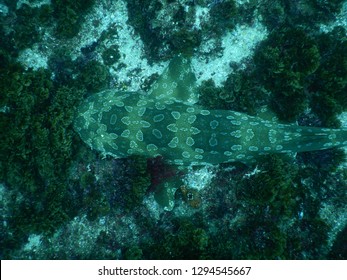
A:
69, 15
111, 55
37, 147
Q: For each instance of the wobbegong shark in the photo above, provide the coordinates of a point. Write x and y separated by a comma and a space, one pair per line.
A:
167, 122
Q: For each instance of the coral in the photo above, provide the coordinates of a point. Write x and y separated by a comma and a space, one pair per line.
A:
306, 12
133, 253
26, 31
140, 183
309, 240
328, 84
184, 41
111, 55
209, 94
140, 20
240, 92
94, 76
270, 185
258, 239
94, 202
301, 70
187, 241
153, 22
69, 15
223, 15
325, 10
37, 147
282, 73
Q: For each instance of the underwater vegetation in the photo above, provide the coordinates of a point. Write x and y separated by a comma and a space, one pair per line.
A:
25, 31
153, 22
309, 13
37, 149
170, 28
25, 26
282, 73
69, 16
285, 83
273, 209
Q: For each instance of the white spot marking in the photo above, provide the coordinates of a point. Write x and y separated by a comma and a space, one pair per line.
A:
173, 143
145, 124
172, 127
236, 122
190, 141
151, 147
157, 133
125, 120
213, 141
186, 154
204, 112
236, 133
125, 133
194, 130
158, 118
113, 135
332, 136
128, 109
139, 136
141, 103
159, 106
113, 119
279, 147
214, 124
141, 111
176, 115
133, 144
236, 147
191, 119
119, 104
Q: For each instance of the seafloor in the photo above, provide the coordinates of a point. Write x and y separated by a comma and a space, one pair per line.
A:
62, 200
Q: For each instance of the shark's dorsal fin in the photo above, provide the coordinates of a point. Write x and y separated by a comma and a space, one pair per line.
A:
176, 84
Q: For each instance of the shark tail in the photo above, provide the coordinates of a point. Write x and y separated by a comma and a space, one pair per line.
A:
313, 138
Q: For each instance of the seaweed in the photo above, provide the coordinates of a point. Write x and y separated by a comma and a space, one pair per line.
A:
308, 13
328, 84
69, 16
36, 149
284, 62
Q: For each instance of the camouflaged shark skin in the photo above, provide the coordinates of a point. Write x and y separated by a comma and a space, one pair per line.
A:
167, 122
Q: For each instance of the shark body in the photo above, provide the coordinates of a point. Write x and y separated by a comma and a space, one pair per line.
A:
167, 122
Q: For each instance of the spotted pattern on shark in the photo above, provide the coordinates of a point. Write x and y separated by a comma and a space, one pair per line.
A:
167, 122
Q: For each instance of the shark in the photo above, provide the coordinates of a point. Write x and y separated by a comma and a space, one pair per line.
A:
167, 122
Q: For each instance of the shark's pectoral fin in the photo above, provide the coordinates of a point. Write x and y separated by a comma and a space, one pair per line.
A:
177, 83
